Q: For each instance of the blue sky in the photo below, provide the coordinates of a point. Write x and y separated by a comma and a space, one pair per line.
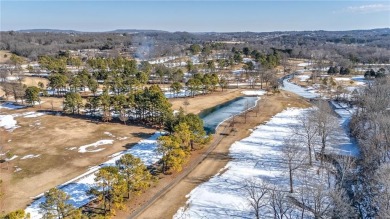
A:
194, 16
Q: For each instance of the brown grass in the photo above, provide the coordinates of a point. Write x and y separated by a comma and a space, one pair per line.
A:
56, 163
201, 102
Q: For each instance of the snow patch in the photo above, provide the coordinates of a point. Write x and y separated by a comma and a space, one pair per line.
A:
85, 148
342, 79
32, 114
307, 93
10, 105
71, 148
109, 134
303, 77
8, 122
253, 92
30, 156
12, 158
304, 64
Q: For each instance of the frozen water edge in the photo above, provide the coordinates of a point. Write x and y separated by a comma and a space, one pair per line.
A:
288, 86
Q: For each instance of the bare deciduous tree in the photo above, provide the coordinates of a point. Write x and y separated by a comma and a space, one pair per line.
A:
340, 204
279, 203
255, 193
293, 157
382, 199
123, 116
317, 200
307, 130
327, 125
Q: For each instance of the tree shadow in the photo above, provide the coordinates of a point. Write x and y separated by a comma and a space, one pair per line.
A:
197, 180
98, 120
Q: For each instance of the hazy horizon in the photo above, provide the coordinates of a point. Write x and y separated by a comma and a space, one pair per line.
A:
106, 31
195, 16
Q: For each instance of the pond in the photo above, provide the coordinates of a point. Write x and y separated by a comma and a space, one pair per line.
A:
214, 116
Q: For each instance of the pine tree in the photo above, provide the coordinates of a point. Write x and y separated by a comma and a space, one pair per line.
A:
55, 205
73, 102
135, 174
109, 188
173, 155
32, 95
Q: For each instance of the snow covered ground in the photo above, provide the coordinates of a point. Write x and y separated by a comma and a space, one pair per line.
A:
182, 93
303, 77
345, 112
258, 156
9, 123
253, 92
76, 188
30, 114
359, 80
342, 79
10, 105
288, 86
304, 64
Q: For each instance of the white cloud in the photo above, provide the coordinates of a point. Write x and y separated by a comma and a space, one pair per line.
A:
369, 8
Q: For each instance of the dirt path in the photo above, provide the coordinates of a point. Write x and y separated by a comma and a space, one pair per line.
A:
164, 202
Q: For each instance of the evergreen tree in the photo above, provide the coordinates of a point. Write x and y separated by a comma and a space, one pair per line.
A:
73, 102
173, 156
110, 187
55, 205
176, 87
32, 95
135, 174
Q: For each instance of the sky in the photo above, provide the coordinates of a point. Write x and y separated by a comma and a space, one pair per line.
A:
194, 16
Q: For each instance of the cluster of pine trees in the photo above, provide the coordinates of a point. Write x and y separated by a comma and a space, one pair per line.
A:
148, 105
186, 133
337, 70
375, 74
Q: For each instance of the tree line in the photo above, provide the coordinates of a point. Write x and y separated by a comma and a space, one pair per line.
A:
370, 188
148, 105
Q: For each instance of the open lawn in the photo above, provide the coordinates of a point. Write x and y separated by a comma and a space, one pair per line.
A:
201, 102
48, 152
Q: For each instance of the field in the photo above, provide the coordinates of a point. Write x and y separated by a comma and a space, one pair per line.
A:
196, 105
47, 144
